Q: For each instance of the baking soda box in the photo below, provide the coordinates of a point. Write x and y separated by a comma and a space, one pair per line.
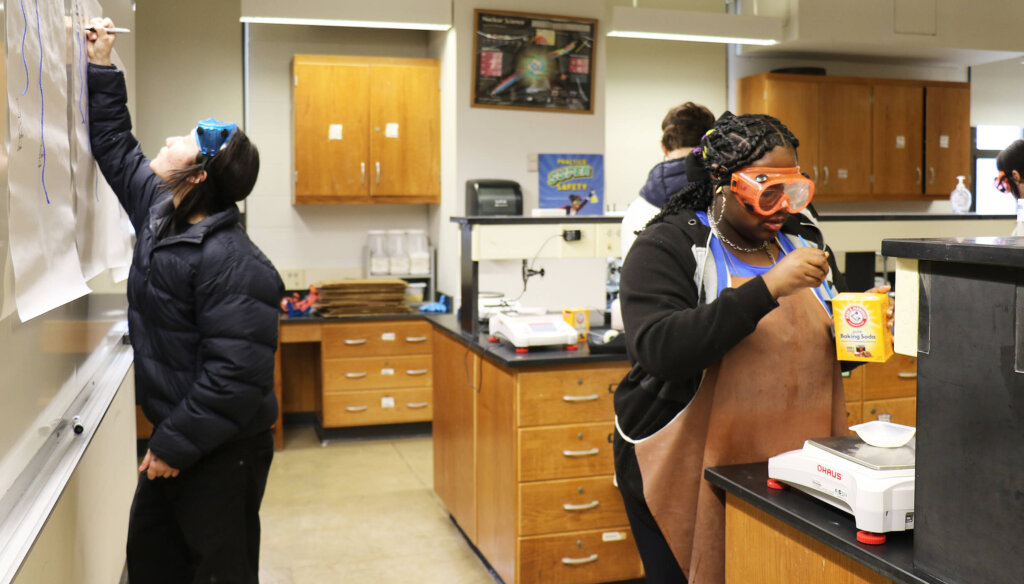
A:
861, 330
579, 318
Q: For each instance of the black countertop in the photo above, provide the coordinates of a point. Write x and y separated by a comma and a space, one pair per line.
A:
503, 353
994, 250
894, 559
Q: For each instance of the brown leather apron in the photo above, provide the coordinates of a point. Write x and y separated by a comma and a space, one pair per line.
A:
776, 388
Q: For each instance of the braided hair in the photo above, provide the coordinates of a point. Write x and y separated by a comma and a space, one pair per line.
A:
732, 144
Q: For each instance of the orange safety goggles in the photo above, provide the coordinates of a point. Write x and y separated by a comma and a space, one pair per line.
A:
766, 190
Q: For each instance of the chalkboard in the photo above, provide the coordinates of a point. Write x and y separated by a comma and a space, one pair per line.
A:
62, 236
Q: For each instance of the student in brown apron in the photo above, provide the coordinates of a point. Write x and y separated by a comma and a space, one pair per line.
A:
730, 336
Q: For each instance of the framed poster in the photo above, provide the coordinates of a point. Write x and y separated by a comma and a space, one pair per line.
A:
573, 182
533, 62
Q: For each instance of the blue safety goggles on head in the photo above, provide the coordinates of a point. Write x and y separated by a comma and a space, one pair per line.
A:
211, 136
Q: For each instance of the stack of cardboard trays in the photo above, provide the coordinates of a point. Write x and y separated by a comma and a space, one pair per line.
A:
362, 296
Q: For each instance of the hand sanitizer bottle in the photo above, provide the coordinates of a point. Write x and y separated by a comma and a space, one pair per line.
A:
960, 198
1018, 229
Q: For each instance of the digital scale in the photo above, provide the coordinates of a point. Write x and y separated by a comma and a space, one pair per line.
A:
875, 485
532, 330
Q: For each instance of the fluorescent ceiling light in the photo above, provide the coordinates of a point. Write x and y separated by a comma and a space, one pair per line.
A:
684, 25
350, 23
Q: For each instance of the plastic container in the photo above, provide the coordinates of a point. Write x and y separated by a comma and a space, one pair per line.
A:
398, 251
376, 242
884, 434
414, 292
960, 198
419, 252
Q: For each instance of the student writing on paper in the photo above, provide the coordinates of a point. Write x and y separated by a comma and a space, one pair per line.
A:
203, 323
729, 336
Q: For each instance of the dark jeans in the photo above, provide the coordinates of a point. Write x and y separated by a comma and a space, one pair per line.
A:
203, 525
660, 566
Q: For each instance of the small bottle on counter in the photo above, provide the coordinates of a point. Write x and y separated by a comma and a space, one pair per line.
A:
960, 198
1018, 229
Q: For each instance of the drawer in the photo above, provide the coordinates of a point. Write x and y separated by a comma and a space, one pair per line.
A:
902, 409
368, 339
853, 384
570, 505
299, 332
897, 377
377, 373
366, 408
568, 396
854, 416
565, 451
576, 558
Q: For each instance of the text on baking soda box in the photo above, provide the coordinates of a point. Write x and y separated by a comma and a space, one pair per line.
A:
861, 330
579, 318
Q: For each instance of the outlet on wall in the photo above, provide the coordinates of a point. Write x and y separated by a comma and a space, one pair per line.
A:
294, 279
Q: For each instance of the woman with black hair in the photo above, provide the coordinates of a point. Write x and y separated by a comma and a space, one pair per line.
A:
727, 325
203, 323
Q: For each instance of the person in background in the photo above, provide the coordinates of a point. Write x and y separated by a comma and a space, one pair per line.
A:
680, 132
1010, 164
203, 323
728, 331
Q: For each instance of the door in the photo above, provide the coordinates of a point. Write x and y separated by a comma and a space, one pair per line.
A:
795, 104
897, 143
947, 137
845, 142
331, 131
405, 131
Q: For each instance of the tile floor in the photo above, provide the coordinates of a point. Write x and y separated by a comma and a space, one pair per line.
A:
359, 511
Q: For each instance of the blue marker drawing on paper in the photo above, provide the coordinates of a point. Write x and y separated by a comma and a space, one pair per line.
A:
42, 108
24, 33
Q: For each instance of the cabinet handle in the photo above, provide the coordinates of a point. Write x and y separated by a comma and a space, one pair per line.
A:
578, 453
815, 167
583, 507
417, 405
919, 175
362, 173
355, 341
378, 172
826, 176
416, 371
580, 398
578, 561
356, 408
907, 375
931, 171
415, 339
355, 375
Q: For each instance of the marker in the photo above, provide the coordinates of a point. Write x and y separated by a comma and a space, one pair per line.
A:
76, 425
824, 286
109, 30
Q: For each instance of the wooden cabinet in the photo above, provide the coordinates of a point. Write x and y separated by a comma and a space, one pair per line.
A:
366, 130
375, 372
874, 389
869, 139
533, 489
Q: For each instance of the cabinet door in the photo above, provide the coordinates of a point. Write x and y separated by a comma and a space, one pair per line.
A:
898, 135
845, 142
796, 104
405, 131
331, 131
947, 137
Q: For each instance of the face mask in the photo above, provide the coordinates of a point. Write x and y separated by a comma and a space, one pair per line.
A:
766, 190
212, 136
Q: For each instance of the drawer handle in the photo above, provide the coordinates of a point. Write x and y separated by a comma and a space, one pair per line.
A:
356, 408
583, 507
578, 561
355, 375
577, 453
416, 371
417, 405
415, 339
907, 375
580, 398
355, 341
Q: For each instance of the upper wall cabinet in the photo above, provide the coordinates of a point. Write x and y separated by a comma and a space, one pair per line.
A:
869, 139
367, 130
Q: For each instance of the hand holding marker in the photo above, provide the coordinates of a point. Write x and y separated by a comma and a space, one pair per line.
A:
824, 284
109, 30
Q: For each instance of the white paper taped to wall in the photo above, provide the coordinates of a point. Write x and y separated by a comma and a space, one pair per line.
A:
907, 297
334, 132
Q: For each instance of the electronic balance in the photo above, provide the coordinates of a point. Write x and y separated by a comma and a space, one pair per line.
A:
532, 330
875, 485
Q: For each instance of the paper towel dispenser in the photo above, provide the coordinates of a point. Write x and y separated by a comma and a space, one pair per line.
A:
493, 197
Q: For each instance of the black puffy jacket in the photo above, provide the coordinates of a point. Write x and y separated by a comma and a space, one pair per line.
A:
203, 304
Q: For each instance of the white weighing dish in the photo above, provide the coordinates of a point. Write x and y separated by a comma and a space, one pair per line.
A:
875, 485
884, 434
532, 330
